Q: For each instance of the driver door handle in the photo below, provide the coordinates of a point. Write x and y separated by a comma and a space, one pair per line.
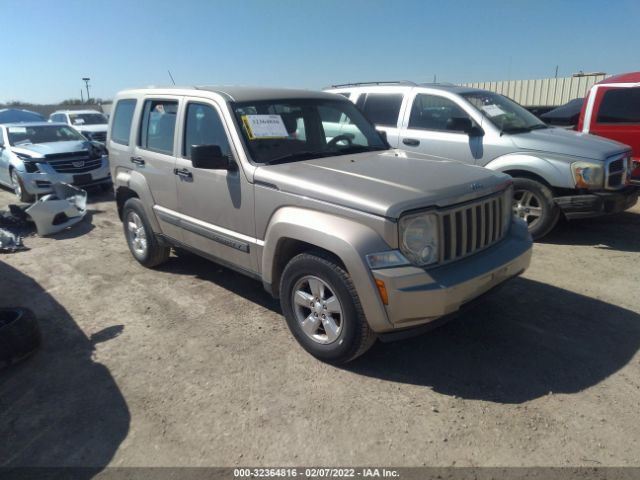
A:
412, 142
183, 173
137, 160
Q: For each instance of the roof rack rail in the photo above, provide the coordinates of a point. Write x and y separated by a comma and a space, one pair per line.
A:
357, 84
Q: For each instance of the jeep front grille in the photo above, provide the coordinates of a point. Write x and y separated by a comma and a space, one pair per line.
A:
469, 228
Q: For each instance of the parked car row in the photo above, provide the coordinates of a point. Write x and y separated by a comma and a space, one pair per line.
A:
374, 213
35, 154
556, 172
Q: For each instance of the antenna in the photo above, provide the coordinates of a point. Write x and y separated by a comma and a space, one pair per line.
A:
171, 77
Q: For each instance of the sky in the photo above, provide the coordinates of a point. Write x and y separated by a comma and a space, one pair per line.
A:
49, 46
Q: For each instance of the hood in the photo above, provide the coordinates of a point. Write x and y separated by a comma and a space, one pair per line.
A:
383, 183
91, 128
41, 149
568, 142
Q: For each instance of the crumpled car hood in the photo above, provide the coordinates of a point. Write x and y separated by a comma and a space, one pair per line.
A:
383, 183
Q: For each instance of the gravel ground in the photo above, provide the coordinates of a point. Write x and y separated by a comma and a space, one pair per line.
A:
192, 364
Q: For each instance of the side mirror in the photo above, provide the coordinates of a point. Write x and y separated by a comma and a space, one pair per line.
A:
383, 134
209, 157
464, 124
475, 132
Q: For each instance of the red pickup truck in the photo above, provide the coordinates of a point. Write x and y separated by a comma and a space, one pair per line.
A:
612, 110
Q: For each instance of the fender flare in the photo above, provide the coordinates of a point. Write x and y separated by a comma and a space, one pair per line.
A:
137, 183
538, 166
349, 240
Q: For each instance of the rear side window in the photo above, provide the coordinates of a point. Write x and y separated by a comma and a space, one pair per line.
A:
383, 109
158, 125
203, 126
620, 105
122, 118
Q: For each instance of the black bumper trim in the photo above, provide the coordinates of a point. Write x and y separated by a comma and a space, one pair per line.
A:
596, 204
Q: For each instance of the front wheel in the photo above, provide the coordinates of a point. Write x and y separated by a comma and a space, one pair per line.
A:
143, 243
533, 202
18, 187
322, 309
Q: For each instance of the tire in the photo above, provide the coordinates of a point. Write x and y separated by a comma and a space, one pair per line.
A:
352, 337
141, 239
533, 202
19, 335
18, 187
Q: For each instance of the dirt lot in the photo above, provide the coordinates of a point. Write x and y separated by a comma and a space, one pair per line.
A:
192, 364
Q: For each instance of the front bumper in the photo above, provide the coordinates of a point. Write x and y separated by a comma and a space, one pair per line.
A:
39, 183
597, 203
418, 296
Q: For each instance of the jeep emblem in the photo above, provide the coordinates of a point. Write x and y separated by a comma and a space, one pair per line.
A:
476, 186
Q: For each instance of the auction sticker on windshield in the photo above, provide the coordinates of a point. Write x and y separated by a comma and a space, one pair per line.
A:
493, 110
17, 129
264, 126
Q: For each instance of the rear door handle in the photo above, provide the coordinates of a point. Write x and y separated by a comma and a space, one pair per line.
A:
137, 160
412, 142
183, 173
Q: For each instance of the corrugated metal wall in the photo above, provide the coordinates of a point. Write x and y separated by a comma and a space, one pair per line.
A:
544, 92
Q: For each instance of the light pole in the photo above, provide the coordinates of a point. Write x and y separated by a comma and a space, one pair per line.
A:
86, 82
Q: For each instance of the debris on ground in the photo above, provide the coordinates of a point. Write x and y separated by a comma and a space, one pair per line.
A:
52, 213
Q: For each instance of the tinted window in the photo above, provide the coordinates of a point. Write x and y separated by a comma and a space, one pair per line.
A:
158, 125
383, 109
204, 127
432, 112
620, 105
122, 121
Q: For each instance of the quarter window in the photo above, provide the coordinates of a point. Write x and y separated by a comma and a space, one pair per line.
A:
122, 119
620, 105
432, 112
203, 126
383, 109
158, 125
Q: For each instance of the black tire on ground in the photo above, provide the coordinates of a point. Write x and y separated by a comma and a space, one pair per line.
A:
541, 197
19, 335
155, 253
355, 336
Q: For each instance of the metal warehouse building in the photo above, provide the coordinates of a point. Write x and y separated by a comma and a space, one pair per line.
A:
544, 92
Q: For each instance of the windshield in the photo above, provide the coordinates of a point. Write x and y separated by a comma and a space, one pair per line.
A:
87, 119
280, 131
504, 113
19, 135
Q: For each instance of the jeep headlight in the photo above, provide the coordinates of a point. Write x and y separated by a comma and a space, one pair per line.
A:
587, 174
419, 238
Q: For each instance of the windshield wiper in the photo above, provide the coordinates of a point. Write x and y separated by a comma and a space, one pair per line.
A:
539, 126
293, 157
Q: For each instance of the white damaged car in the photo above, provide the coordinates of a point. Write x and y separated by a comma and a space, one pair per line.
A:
34, 156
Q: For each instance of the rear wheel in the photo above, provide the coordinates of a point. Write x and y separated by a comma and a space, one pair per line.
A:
18, 187
322, 309
143, 243
533, 202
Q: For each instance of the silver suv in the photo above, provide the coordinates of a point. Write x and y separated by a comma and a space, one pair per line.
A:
556, 171
356, 239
